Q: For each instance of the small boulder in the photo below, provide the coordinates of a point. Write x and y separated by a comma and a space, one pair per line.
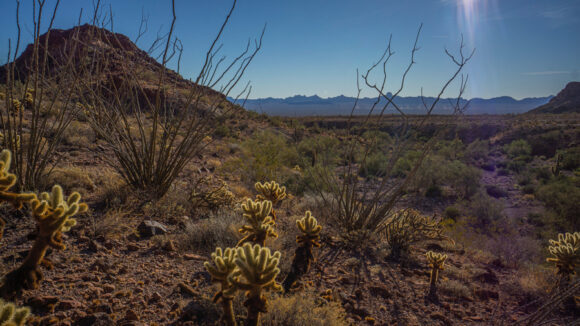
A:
149, 228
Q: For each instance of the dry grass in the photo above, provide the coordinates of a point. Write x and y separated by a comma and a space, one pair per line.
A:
303, 309
218, 230
71, 178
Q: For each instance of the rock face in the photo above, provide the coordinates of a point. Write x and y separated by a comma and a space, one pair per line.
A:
567, 101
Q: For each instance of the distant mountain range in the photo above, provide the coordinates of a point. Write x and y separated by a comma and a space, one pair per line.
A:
300, 105
567, 101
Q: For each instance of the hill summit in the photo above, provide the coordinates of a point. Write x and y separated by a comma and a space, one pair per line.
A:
567, 101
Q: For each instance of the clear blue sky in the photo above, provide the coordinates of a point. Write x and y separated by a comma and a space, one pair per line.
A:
524, 48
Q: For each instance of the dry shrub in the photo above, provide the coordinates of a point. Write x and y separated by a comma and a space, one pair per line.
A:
515, 250
71, 178
111, 224
303, 309
455, 289
219, 230
79, 134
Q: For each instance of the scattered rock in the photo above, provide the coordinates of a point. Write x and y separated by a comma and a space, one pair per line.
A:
193, 257
488, 277
96, 319
108, 288
133, 247
68, 304
485, 294
380, 291
149, 228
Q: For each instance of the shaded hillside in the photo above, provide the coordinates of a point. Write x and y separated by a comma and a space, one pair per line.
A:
341, 105
86, 46
567, 101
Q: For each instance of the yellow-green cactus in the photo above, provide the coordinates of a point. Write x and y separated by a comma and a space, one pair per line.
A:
260, 223
256, 271
309, 237
53, 215
270, 191
10, 315
220, 267
7, 181
437, 263
566, 252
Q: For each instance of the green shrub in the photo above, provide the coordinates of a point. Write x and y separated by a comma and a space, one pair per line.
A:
374, 165
452, 212
562, 195
486, 209
529, 189
464, 179
518, 148
571, 158
477, 150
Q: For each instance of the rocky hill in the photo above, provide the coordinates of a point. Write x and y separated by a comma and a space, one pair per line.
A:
69, 49
567, 101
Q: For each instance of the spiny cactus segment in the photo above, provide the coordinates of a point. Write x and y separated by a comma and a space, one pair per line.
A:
270, 191
53, 215
566, 252
7, 181
256, 271
10, 315
437, 263
260, 223
303, 256
220, 267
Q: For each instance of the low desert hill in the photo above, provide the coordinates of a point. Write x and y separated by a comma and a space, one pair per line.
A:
567, 101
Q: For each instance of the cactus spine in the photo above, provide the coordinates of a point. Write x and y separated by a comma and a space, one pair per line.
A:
270, 191
260, 223
10, 315
256, 270
7, 181
566, 252
53, 215
436, 262
309, 237
221, 266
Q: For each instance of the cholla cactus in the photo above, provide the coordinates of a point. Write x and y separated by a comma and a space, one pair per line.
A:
309, 237
53, 215
566, 252
436, 262
270, 191
7, 181
10, 315
260, 223
256, 271
408, 226
220, 267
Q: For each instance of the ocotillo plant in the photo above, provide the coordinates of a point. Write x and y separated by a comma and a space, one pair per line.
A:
53, 215
270, 191
7, 181
10, 315
220, 267
309, 237
436, 262
260, 223
256, 271
566, 252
